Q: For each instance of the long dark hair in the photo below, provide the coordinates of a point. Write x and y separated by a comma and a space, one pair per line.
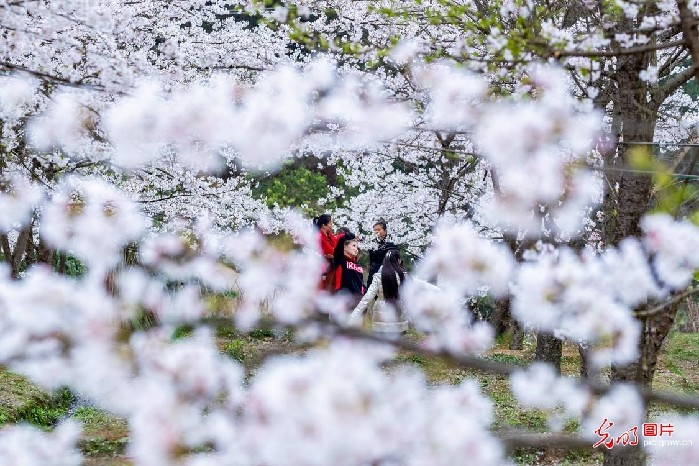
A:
321, 220
392, 274
339, 252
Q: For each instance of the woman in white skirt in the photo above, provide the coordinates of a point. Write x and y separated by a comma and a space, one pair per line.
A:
386, 315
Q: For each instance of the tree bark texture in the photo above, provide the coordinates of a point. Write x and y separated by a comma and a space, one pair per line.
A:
549, 349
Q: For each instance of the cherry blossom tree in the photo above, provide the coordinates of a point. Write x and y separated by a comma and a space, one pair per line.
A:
477, 121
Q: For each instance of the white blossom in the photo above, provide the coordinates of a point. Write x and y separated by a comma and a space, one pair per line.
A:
26, 445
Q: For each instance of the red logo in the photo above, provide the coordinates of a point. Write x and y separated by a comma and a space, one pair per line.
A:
651, 429
355, 267
630, 437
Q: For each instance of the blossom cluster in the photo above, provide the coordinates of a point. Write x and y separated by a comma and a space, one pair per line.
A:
142, 110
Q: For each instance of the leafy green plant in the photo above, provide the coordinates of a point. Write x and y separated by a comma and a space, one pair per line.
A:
417, 359
236, 350
104, 447
226, 331
183, 331
46, 414
261, 333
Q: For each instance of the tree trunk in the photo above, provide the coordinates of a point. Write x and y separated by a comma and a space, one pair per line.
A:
691, 325
583, 351
549, 349
6, 250
14, 257
21, 247
517, 341
624, 206
499, 316
654, 331
44, 254
62, 259
30, 257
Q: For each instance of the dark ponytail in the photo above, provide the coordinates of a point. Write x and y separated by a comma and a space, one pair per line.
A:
321, 220
392, 274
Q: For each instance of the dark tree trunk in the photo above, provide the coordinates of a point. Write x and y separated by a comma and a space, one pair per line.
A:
44, 254
500, 316
6, 250
14, 257
20, 251
549, 349
62, 259
654, 331
30, 257
517, 341
691, 325
624, 208
585, 370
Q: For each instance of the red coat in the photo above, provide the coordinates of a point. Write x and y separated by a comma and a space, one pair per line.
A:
327, 243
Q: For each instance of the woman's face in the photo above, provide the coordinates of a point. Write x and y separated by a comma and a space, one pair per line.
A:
379, 232
351, 248
327, 227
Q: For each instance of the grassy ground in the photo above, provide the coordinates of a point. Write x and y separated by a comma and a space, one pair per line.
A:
105, 437
677, 370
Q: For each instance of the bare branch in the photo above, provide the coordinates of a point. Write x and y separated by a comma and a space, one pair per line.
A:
6, 66
615, 53
671, 85
523, 439
667, 304
468, 361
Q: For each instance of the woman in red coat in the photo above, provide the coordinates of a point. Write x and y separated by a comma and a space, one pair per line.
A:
326, 238
327, 241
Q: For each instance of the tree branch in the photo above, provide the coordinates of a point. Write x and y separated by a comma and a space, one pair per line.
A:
615, 53
468, 361
52, 78
521, 439
664, 306
671, 85
689, 32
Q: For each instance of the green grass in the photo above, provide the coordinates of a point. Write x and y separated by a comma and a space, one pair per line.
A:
508, 413
672, 367
103, 433
677, 365
18, 394
236, 350
518, 360
20, 401
528, 456
91, 416
417, 359
226, 331
683, 346
47, 415
261, 333
103, 447
183, 331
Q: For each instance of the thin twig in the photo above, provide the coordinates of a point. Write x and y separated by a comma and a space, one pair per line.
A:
662, 307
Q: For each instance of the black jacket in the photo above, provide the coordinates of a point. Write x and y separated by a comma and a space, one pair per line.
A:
349, 277
376, 257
